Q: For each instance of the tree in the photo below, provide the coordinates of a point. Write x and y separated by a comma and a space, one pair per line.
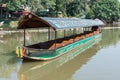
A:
46, 8
76, 8
13, 5
107, 10
90, 14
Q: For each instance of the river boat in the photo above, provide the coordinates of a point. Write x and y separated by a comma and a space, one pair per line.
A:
52, 49
39, 70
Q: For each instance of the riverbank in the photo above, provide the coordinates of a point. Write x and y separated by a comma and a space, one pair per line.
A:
110, 27
17, 31
43, 30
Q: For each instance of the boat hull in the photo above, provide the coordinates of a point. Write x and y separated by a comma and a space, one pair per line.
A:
82, 45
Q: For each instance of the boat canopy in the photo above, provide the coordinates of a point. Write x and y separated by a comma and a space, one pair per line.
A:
33, 21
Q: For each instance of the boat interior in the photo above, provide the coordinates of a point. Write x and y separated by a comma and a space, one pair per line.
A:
58, 43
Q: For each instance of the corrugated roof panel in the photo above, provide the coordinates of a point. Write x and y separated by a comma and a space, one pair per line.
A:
33, 21
64, 23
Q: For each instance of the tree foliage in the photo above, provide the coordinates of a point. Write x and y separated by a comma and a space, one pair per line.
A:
108, 10
13, 5
76, 8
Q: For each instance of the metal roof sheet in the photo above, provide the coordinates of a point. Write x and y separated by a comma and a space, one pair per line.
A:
33, 21
65, 23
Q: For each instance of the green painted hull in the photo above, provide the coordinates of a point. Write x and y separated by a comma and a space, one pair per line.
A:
81, 45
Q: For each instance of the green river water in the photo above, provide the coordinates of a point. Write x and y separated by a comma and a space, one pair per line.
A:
99, 62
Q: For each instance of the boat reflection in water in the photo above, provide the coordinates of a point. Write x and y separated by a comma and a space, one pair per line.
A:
54, 69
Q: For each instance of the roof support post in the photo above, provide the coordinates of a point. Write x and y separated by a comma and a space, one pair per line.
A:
48, 33
79, 30
73, 35
74, 31
83, 29
55, 38
24, 37
64, 33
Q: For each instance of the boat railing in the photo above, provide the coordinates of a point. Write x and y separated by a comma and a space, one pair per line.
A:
42, 51
26, 48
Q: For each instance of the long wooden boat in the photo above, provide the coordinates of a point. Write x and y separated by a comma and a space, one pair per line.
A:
54, 48
39, 70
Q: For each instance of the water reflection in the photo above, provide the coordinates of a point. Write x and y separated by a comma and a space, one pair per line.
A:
110, 37
105, 64
12, 68
8, 61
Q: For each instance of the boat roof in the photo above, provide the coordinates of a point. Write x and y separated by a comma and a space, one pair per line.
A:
33, 21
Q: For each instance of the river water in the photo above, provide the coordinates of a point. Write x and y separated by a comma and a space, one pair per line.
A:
99, 62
